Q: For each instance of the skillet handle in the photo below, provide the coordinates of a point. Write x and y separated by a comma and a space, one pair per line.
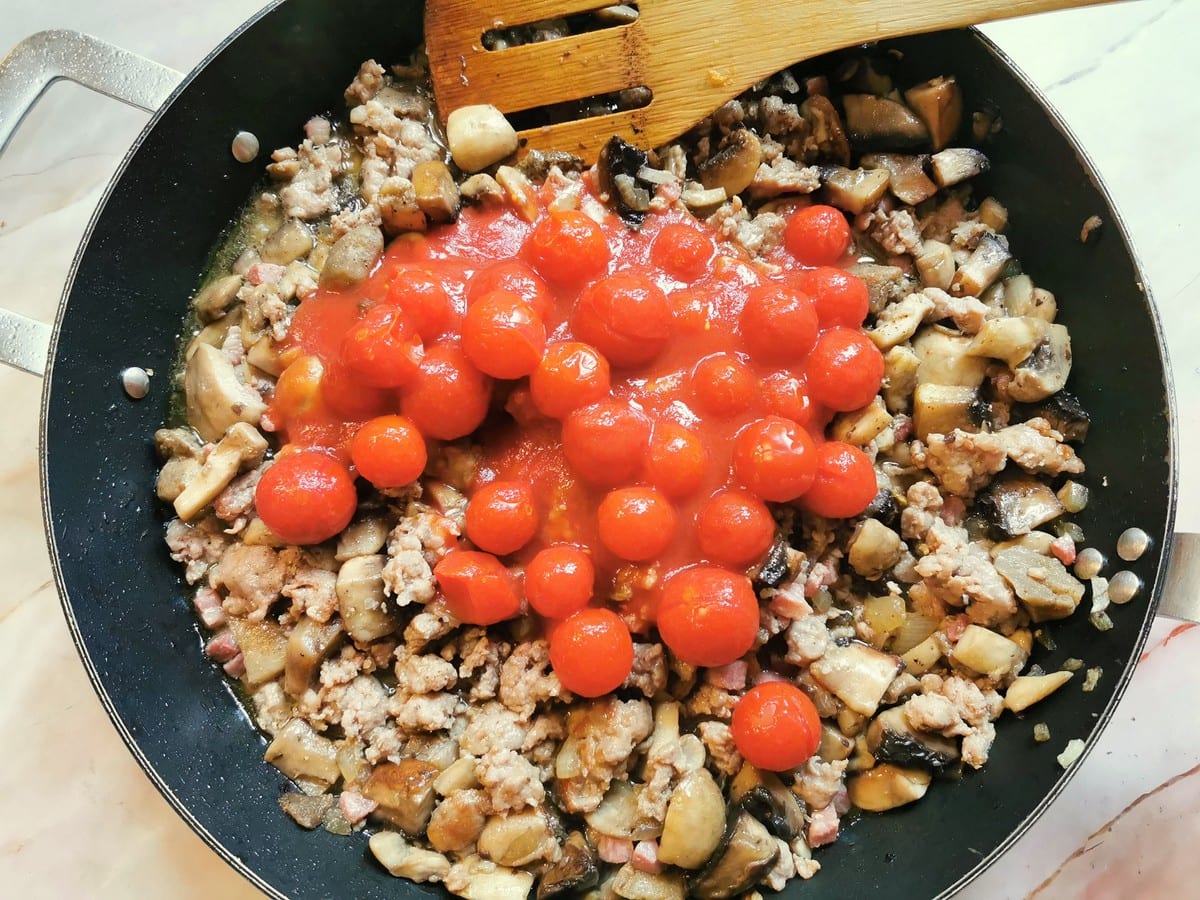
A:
1181, 592
25, 74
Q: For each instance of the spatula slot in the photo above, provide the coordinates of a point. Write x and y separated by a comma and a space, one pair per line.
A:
625, 100
597, 18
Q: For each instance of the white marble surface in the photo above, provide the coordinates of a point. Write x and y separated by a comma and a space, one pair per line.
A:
77, 818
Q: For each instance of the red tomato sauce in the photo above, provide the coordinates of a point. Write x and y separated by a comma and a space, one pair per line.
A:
691, 369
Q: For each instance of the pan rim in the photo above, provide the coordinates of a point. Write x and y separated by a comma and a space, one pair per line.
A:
985, 862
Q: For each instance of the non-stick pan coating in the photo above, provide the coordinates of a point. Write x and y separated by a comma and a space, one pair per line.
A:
129, 609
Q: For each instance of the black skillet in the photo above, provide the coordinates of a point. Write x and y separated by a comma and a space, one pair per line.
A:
129, 611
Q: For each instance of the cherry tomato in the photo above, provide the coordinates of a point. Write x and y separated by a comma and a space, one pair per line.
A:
817, 235
677, 461
502, 517
775, 458
723, 385
299, 389
571, 374
503, 335
305, 497
787, 395
389, 452
477, 587
776, 726
845, 370
383, 350
592, 652
625, 316
841, 298
423, 301
568, 247
845, 484
636, 523
514, 276
348, 397
450, 397
778, 323
682, 252
692, 309
559, 581
734, 529
708, 616
605, 443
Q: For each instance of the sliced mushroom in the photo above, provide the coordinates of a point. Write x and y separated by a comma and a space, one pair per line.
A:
1063, 411
306, 810
303, 755
746, 854
175, 476
1010, 338
364, 537
309, 644
923, 656
701, 200
834, 745
941, 408
1045, 587
694, 823
216, 397
1026, 690
897, 322
856, 674
264, 649
956, 165
854, 190
939, 103
900, 367
398, 210
287, 243
874, 549
404, 792
873, 121
988, 653
436, 191
1046, 369
993, 214
981, 268
948, 358
886, 787
241, 447
862, 426
352, 258
891, 740
733, 166
764, 796
1021, 298
215, 297
826, 128
362, 600
479, 136
935, 262
775, 569
634, 884
518, 838
617, 169
1017, 504
907, 179
404, 860
458, 776
574, 873
617, 814
497, 883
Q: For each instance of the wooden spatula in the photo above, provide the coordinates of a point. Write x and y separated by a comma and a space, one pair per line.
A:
693, 55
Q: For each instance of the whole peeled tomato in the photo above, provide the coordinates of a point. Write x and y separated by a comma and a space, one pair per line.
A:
625, 316
845, 370
605, 443
591, 652
477, 587
775, 459
450, 396
502, 517
845, 483
776, 726
305, 497
708, 616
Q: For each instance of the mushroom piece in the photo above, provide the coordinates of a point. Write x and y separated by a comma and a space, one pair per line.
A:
617, 169
775, 569
1027, 690
634, 884
1063, 411
854, 190
825, 126
404, 860
981, 268
956, 165
241, 447
309, 644
264, 649
935, 262
1044, 585
362, 600
834, 745
479, 136
939, 103
900, 367
941, 408
216, 398
898, 322
303, 755
436, 191
364, 537
496, 883
287, 243
764, 796
694, 823
1011, 338
988, 653
948, 357
574, 873
874, 549
923, 656
891, 740
882, 122
518, 838
617, 814
907, 179
746, 854
215, 297
398, 210
1046, 369
733, 166
886, 787
306, 810
1021, 298
1017, 504
404, 792
352, 258
857, 674
862, 426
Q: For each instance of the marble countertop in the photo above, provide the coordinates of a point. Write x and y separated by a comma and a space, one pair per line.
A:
77, 816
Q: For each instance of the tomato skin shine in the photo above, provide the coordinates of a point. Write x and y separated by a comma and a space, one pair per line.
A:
591, 652
605, 442
559, 581
734, 528
502, 517
382, 350
450, 397
845, 483
817, 235
776, 726
636, 523
389, 452
305, 497
566, 246
708, 616
775, 459
503, 335
625, 316
477, 587
845, 370
571, 374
